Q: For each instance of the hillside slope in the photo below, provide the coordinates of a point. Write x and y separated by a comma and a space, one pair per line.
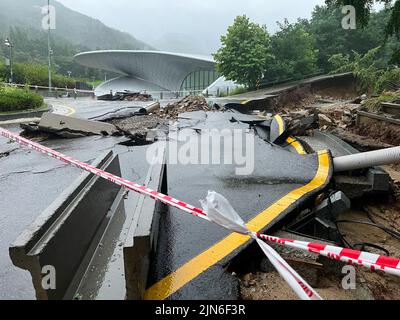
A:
75, 27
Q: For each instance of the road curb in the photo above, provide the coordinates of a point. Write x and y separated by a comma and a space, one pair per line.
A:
62, 236
26, 114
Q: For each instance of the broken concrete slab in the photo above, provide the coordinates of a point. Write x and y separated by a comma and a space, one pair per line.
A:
134, 126
63, 235
122, 113
73, 127
250, 119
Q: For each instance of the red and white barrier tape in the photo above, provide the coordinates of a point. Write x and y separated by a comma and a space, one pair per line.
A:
374, 262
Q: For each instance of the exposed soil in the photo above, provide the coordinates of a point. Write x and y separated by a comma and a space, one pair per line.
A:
271, 286
295, 99
382, 286
382, 131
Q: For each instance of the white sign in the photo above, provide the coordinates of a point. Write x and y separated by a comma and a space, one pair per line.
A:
349, 20
49, 20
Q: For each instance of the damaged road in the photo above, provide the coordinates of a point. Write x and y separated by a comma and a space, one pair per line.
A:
291, 182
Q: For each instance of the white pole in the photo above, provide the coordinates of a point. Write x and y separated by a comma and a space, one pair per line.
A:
367, 159
48, 43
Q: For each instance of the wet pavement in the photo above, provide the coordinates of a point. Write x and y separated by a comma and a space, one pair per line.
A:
30, 182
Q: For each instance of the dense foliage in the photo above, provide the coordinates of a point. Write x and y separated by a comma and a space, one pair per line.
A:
35, 74
294, 53
368, 69
13, 99
320, 45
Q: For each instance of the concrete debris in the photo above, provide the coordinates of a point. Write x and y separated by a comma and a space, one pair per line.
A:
137, 127
126, 96
187, 104
324, 120
68, 127
361, 122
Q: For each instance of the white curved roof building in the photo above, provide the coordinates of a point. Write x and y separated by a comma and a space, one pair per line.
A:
153, 71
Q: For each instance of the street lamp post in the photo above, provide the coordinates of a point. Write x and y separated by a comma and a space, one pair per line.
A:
8, 43
49, 44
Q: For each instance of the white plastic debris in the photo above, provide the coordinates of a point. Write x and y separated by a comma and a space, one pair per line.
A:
220, 211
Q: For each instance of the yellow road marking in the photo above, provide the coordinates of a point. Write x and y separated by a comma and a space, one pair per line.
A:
291, 141
71, 110
297, 145
245, 101
189, 271
281, 125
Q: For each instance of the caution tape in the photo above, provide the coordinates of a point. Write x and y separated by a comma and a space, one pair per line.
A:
372, 261
229, 219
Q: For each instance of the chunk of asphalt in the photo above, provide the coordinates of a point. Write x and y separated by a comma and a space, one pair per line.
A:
69, 127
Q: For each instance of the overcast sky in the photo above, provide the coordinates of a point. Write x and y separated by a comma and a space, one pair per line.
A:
200, 22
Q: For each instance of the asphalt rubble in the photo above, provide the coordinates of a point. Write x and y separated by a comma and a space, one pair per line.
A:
133, 123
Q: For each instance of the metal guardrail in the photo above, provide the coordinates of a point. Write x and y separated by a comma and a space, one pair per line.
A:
36, 87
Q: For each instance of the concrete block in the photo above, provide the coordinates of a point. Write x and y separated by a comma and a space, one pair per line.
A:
64, 233
331, 208
141, 240
379, 179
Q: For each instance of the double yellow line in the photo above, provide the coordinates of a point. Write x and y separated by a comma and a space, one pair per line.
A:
291, 141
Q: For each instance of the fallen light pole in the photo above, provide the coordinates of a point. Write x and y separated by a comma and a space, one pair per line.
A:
367, 159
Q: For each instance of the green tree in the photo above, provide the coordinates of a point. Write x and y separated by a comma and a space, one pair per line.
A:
325, 25
294, 52
244, 52
367, 68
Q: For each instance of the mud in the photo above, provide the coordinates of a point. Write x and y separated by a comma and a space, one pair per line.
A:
271, 286
381, 131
